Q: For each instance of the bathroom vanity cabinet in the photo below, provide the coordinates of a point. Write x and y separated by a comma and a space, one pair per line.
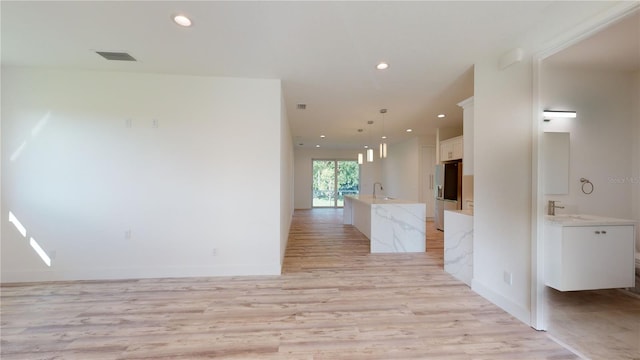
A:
586, 254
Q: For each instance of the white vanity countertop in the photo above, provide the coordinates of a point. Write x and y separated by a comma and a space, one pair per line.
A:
586, 220
462, 212
380, 200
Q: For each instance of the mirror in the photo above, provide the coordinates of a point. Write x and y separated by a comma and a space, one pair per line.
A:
555, 163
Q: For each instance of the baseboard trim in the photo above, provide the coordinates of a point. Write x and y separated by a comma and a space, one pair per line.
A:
139, 273
505, 304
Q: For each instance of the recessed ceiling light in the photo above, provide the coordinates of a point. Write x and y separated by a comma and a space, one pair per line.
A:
317, 145
322, 136
366, 146
441, 115
182, 20
383, 137
409, 130
382, 66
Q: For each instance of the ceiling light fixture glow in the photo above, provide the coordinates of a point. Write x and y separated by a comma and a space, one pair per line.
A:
409, 130
322, 136
383, 150
441, 115
369, 155
382, 66
182, 20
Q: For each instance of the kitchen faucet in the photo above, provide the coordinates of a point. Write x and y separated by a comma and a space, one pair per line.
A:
374, 188
552, 207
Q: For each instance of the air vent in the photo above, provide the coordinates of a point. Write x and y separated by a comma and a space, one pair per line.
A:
301, 106
119, 56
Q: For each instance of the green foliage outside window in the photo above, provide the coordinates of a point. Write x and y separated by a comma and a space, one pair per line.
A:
325, 191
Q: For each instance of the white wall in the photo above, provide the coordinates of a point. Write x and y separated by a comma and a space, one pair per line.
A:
401, 170
286, 179
601, 137
79, 179
369, 172
502, 184
635, 156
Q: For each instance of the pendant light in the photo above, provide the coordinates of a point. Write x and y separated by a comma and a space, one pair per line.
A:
360, 155
370, 150
383, 144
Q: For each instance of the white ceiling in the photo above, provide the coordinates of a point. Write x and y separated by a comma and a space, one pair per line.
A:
324, 52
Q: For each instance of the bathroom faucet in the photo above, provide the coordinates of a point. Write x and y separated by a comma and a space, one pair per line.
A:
374, 188
552, 207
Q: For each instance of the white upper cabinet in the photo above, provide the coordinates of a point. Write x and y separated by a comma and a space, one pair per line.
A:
451, 149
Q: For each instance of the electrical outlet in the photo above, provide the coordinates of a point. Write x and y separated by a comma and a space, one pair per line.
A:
507, 277
214, 252
154, 123
128, 123
127, 234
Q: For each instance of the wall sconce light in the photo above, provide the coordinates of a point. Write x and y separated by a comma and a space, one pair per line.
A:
556, 114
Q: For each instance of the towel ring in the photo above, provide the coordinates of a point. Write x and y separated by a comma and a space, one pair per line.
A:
586, 182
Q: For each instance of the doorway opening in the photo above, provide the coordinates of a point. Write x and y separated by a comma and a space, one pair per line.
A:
332, 180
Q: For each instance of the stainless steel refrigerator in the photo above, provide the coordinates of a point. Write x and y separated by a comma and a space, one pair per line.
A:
448, 190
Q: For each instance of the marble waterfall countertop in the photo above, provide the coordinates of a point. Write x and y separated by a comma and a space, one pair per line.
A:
392, 225
458, 244
380, 200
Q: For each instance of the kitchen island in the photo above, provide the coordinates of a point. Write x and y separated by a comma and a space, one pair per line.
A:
458, 244
391, 225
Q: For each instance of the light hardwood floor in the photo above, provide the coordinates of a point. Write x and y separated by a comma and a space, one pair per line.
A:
599, 324
333, 301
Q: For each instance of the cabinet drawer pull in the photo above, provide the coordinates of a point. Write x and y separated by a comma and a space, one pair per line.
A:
604, 232
597, 232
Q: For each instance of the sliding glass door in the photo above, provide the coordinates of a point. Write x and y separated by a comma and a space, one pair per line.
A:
332, 180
